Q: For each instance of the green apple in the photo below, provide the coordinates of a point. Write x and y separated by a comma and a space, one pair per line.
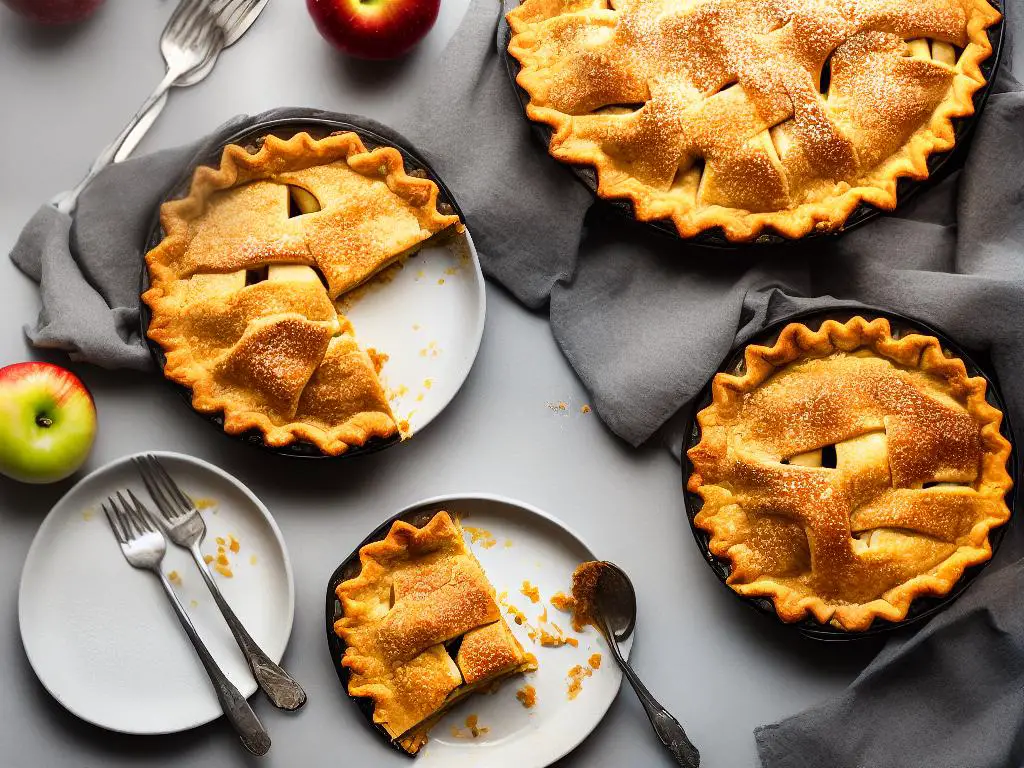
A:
47, 422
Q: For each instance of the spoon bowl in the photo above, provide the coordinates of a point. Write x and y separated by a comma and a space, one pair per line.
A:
615, 600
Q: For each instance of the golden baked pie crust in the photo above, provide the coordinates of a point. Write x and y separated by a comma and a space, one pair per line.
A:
418, 590
918, 483
256, 351
734, 84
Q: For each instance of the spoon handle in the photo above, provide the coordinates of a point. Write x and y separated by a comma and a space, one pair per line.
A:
669, 731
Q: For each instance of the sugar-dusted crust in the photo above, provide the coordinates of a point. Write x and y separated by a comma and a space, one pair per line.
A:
257, 352
721, 122
417, 589
918, 482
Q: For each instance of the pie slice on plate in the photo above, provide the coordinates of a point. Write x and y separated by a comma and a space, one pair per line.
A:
423, 629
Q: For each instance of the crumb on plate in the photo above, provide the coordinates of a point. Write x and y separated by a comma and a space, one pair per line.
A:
562, 602
576, 677
480, 536
531, 591
527, 696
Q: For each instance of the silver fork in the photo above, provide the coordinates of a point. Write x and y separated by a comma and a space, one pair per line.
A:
234, 17
185, 527
144, 547
188, 40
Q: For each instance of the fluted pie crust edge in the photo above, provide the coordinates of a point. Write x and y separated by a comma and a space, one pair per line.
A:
878, 188
915, 352
239, 166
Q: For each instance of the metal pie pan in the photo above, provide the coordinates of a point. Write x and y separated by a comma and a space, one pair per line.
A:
922, 607
939, 163
318, 127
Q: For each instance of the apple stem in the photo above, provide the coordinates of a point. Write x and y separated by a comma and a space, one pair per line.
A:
44, 421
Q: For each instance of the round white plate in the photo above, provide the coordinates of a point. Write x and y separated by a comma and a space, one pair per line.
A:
427, 315
528, 545
102, 636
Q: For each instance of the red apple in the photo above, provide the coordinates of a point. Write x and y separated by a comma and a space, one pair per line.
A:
54, 11
47, 422
374, 29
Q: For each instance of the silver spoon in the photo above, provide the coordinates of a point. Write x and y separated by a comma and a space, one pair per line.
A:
615, 612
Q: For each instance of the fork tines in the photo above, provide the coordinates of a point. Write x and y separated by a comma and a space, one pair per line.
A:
170, 499
127, 520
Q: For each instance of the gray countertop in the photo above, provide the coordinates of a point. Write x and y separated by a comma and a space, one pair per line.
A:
718, 666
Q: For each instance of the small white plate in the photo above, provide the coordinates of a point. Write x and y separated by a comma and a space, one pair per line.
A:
103, 638
427, 315
528, 545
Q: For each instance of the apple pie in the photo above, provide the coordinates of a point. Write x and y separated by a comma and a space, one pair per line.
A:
422, 629
845, 471
244, 284
751, 115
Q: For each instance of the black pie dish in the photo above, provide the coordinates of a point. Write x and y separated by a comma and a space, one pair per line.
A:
940, 164
318, 127
350, 567
922, 607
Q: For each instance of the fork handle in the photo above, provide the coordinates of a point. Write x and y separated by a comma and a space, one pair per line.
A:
67, 202
278, 685
237, 710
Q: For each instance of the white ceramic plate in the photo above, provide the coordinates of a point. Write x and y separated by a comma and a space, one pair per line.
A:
528, 545
102, 636
427, 315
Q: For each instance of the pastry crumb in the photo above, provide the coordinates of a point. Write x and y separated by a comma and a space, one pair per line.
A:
87, 514
585, 408
416, 326
220, 541
473, 723
419, 398
558, 407
233, 544
508, 543
223, 570
594, 661
527, 696
452, 271
473, 729
428, 383
175, 578
252, 559
576, 677
517, 616
377, 358
440, 281
202, 503
552, 635
531, 591
208, 559
562, 602
480, 536
193, 603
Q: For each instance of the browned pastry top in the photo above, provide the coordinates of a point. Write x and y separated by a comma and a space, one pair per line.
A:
846, 471
749, 114
420, 591
243, 283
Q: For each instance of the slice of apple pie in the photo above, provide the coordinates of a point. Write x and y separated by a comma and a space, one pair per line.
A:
422, 628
